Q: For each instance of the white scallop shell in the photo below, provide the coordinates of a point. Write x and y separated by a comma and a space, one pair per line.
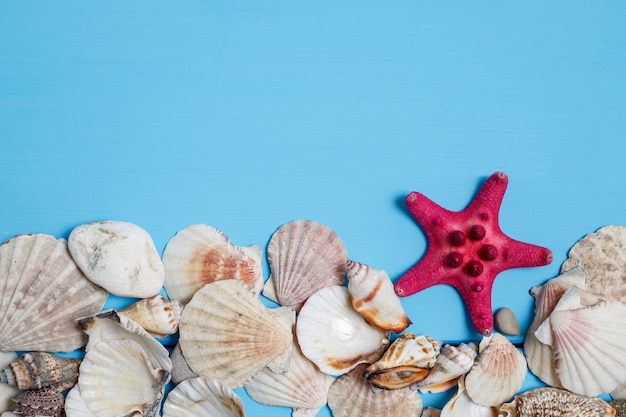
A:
461, 405
334, 336
157, 315
42, 291
228, 334
201, 397
373, 296
497, 374
352, 396
199, 254
75, 405
452, 363
304, 256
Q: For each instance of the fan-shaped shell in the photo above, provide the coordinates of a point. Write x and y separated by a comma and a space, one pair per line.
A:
452, 363
304, 257
373, 296
42, 291
75, 405
498, 373
228, 334
200, 254
462, 405
334, 336
555, 402
200, 397
351, 395
34, 370
157, 315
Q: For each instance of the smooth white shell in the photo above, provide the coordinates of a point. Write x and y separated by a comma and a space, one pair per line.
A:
461, 405
201, 397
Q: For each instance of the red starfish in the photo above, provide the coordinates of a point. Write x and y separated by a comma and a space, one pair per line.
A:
467, 249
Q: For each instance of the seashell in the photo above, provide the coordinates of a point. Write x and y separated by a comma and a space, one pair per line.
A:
373, 296
118, 256
75, 405
117, 378
43, 402
351, 395
461, 405
334, 336
157, 315
199, 254
34, 370
431, 412
407, 361
7, 392
498, 373
228, 334
200, 397
304, 257
555, 402
42, 291
180, 367
452, 363
506, 322
619, 405
303, 387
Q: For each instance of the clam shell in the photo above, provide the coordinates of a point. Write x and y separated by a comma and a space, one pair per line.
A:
461, 405
228, 334
43, 402
373, 296
42, 291
452, 363
334, 336
200, 397
407, 361
555, 402
497, 374
304, 257
351, 395
34, 370
157, 315
199, 254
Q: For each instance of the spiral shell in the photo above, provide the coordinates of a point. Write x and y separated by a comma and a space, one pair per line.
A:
35, 370
157, 315
452, 363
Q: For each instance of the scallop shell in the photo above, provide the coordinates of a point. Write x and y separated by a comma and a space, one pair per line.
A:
42, 291
407, 361
157, 315
43, 402
117, 378
304, 257
351, 395
373, 296
303, 387
228, 334
498, 373
200, 397
452, 363
34, 370
334, 336
461, 405
555, 402
75, 404
199, 254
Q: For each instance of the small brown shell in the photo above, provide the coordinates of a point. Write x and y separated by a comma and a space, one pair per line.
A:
44, 402
555, 402
35, 370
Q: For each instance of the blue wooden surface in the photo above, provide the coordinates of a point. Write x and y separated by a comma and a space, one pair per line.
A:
246, 115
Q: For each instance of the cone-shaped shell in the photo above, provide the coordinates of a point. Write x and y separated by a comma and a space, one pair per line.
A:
407, 361
351, 395
452, 363
334, 336
461, 405
498, 372
34, 370
201, 397
304, 257
42, 291
555, 402
157, 315
228, 334
373, 296
200, 254
42, 402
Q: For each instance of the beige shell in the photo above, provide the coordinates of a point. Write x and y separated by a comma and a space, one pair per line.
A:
180, 367
199, 254
498, 373
452, 363
407, 361
304, 256
75, 404
34, 370
228, 334
7, 391
461, 405
42, 291
157, 315
506, 322
351, 395
334, 336
373, 296
555, 402
201, 397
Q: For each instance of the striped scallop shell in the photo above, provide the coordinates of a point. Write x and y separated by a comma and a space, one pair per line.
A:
555, 402
304, 257
200, 397
228, 334
351, 395
452, 363
157, 315
200, 254
42, 291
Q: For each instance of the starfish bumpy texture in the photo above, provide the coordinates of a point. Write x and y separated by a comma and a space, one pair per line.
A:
467, 250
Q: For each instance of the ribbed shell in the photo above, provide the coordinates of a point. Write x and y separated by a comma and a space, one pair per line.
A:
452, 363
157, 315
42, 291
200, 254
34, 370
228, 334
304, 257
352, 396
555, 402
461, 405
201, 397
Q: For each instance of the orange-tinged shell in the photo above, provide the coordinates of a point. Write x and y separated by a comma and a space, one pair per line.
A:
555, 402
157, 315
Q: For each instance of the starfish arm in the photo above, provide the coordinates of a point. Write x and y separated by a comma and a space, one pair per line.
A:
478, 304
489, 198
427, 213
424, 274
516, 254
